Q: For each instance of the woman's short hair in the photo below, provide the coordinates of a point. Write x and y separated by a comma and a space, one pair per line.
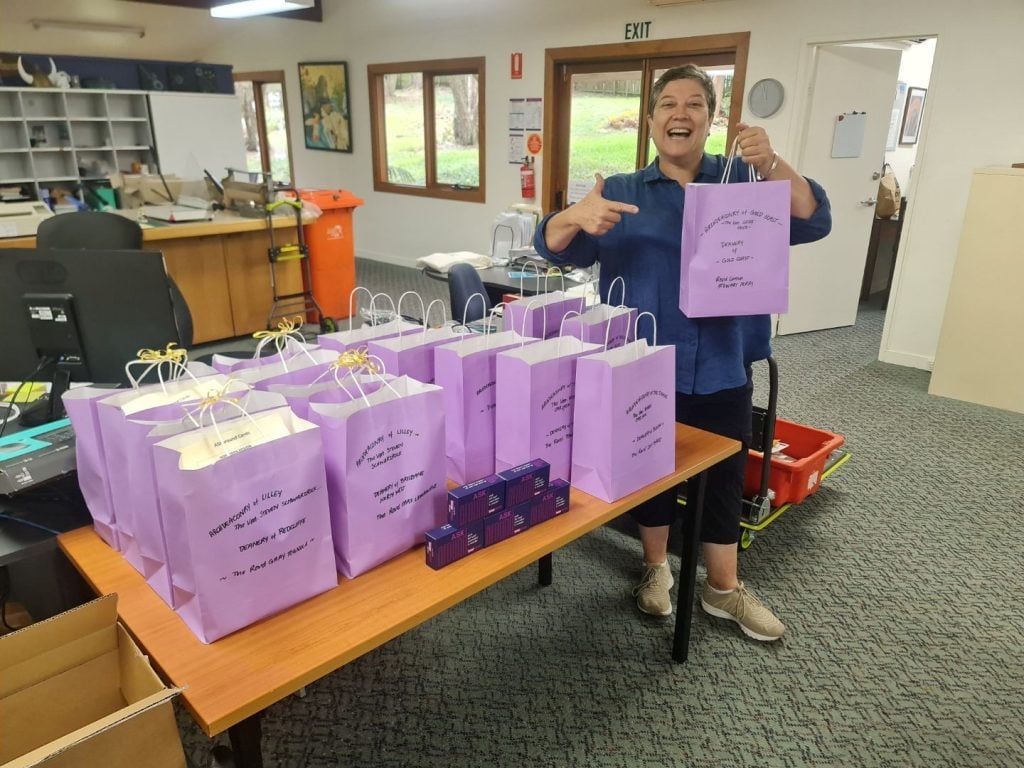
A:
685, 72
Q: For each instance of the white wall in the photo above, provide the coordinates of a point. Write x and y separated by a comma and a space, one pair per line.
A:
977, 57
915, 71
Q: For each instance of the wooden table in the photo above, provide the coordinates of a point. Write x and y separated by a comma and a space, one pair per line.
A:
230, 682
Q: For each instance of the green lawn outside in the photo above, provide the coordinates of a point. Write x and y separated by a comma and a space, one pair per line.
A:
596, 146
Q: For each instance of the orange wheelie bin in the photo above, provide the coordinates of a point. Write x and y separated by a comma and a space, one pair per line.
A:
332, 259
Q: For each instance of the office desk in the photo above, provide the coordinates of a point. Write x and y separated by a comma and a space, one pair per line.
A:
222, 269
498, 283
40, 577
230, 682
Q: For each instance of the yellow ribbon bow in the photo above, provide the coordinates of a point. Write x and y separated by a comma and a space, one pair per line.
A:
285, 327
215, 396
168, 355
355, 360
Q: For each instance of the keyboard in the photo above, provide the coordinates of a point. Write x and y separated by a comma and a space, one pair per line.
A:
35, 456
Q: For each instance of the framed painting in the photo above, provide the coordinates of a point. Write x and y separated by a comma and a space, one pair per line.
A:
323, 89
912, 115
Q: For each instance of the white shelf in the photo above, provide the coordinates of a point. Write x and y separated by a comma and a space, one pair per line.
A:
91, 128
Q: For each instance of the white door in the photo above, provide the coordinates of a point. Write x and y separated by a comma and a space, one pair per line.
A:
825, 277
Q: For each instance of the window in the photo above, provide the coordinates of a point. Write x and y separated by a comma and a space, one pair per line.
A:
265, 124
427, 123
599, 97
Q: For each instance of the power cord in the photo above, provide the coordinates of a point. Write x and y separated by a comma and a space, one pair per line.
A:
13, 409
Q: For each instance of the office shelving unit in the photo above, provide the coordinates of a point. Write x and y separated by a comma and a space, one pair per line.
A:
52, 138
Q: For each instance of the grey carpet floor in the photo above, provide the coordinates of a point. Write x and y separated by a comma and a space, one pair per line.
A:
899, 583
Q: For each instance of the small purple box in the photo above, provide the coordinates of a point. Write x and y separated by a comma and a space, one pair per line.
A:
524, 482
554, 501
505, 524
474, 501
449, 543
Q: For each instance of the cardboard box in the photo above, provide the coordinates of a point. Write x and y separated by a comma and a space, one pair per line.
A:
75, 690
137, 190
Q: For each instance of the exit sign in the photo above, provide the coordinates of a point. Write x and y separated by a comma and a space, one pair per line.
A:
638, 30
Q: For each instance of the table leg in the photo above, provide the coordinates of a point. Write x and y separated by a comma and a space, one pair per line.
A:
688, 569
247, 742
544, 571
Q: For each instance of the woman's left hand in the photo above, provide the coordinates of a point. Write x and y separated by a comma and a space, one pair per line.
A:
755, 147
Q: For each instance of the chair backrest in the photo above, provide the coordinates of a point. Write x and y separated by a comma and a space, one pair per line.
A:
89, 229
463, 282
99, 229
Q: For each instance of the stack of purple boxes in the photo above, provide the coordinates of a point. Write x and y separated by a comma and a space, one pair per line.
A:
494, 508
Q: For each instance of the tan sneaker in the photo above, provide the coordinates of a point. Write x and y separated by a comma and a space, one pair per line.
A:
740, 606
652, 592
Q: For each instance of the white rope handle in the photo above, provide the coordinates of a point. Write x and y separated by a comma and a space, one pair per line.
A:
176, 361
636, 330
547, 275
526, 313
728, 164
216, 397
351, 297
522, 274
490, 320
398, 311
561, 325
444, 313
621, 282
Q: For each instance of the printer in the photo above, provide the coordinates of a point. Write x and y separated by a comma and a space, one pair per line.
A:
22, 219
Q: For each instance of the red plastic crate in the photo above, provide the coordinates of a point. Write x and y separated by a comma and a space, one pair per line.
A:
793, 481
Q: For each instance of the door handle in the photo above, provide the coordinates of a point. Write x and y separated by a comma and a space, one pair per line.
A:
870, 201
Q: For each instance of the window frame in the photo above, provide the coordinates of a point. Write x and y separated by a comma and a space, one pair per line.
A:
378, 129
258, 79
558, 60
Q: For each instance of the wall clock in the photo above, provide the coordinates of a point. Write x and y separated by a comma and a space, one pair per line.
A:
765, 97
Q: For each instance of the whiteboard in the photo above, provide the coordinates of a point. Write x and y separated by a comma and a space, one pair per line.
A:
197, 131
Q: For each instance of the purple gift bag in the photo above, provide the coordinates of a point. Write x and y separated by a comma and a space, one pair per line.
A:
134, 455
286, 340
385, 471
536, 386
466, 371
735, 248
541, 316
610, 325
112, 413
412, 354
624, 419
248, 531
357, 338
80, 405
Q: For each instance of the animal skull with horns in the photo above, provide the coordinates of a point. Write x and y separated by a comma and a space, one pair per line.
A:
40, 80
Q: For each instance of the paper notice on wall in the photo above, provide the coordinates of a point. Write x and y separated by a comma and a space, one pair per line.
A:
533, 114
516, 148
578, 189
848, 136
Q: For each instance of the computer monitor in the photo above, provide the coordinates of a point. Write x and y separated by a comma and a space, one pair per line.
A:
80, 315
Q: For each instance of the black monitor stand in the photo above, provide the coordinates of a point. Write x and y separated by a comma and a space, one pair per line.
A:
48, 407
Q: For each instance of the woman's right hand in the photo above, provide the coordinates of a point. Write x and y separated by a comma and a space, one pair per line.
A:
594, 214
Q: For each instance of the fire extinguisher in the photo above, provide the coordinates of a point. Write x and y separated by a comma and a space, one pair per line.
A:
527, 179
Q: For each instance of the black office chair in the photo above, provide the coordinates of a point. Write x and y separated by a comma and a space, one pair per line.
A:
463, 282
96, 229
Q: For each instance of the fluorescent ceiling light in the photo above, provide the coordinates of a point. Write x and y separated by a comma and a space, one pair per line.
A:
242, 8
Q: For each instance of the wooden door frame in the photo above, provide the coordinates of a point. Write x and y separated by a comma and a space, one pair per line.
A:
257, 79
737, 43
